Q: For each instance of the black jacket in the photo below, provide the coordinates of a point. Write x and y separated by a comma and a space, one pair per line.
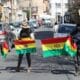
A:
25, 32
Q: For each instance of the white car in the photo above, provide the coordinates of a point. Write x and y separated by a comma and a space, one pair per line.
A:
33, 23
15, 30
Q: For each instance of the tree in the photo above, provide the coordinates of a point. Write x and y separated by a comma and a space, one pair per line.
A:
74, 11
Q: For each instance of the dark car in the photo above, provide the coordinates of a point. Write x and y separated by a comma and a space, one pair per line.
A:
65, 30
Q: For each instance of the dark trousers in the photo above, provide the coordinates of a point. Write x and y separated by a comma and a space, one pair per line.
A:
28, 58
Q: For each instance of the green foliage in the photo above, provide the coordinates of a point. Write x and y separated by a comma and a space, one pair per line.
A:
74, 12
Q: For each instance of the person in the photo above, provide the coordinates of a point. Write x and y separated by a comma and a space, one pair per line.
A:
76, 39
25, 32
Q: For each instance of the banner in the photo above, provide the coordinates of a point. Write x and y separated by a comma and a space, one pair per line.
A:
25, 45
4, 49
58, 46
70, 47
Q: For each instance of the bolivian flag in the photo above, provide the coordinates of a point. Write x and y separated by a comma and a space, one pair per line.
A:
25, 45
55, 47
4, 49
70, 47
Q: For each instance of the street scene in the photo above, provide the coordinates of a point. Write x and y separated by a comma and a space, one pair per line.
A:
39, 39
53, 68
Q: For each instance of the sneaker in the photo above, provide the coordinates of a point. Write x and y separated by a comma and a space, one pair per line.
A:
29, 69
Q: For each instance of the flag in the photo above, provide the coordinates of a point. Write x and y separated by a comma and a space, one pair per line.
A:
53, 46
70, 47
4, 49
57, 47
25, 45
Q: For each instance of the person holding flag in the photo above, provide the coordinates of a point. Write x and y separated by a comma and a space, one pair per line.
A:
24, 33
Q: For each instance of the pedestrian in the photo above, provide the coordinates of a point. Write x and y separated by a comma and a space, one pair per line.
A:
24, 33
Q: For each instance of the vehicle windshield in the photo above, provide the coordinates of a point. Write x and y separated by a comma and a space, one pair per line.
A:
16, 25
66, 29
47, 19
33, 21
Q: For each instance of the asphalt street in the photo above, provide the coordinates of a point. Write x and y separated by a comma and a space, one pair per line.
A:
53, 68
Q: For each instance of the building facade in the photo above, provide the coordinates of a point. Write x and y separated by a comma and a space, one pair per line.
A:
1, 10
74, 9
58, 8
36, 7
11, 11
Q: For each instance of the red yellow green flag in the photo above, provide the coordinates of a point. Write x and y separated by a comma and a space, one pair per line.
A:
70, 47
4, 49
57, 46
25, 45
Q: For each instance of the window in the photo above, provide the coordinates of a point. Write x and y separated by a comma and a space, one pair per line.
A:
34, 9
49, 5
58, 5
66, 5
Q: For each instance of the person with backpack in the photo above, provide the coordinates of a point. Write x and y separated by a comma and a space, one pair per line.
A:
24, 33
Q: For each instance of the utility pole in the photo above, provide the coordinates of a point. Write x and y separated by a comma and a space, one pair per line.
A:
11, 10
62, 3
30, 7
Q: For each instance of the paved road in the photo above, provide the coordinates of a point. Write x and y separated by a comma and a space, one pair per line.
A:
54, 68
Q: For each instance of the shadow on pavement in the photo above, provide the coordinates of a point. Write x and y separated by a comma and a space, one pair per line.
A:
55, 65
44, 70
13, 69
62, 72
40, 70
22, 69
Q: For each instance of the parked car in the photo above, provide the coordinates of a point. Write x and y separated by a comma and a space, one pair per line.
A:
6, 34
47, 22
15, 29
65, 30
33, 23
